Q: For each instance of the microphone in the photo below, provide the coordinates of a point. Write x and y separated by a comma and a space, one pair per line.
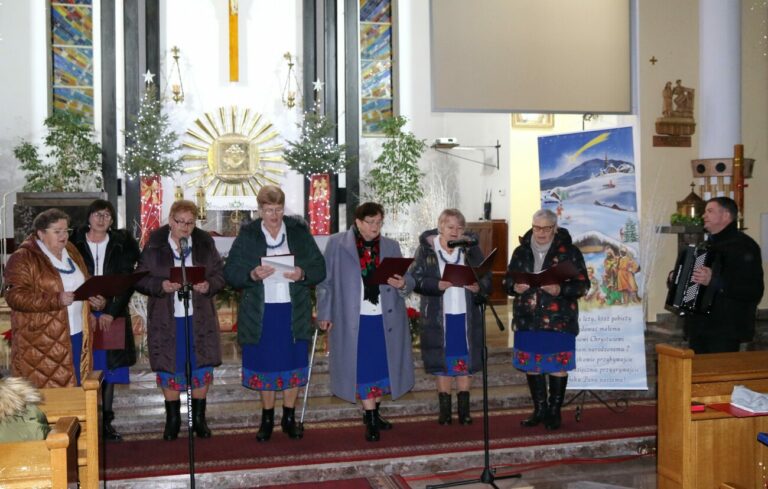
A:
184, 245
465, 241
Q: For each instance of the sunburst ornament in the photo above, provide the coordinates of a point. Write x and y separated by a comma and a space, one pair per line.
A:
236, 149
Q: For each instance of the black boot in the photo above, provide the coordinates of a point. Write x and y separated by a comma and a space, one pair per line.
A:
267, 423
444, 399
462, 399
382, 423
288, 424
556, 396
371, 427
538, 387
199, 425
110, 434
172, 420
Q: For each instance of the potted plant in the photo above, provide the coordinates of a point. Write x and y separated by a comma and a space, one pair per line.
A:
395, 180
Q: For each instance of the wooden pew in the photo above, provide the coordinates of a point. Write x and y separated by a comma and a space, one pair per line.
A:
84, 404
708, 449
45, 463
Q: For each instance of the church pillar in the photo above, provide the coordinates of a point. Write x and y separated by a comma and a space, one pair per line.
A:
719, 77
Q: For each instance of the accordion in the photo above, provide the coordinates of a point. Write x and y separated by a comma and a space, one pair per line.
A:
685, 296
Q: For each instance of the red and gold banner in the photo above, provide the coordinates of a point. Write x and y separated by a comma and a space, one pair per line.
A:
319, 204
151, 206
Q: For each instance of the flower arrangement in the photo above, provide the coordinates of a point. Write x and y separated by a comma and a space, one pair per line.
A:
414, 322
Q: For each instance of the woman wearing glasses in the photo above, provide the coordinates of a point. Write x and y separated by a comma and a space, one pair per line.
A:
51, 335
452, 323
369, 336
167, 247
106, 251
546, 318
274, 323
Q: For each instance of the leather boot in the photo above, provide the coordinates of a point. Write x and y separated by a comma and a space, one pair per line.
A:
267, 423
371, 427
288, 424
556, 397
444, 399
110, 434
199, 425
538, 387
462, 399
382, 423
172, 420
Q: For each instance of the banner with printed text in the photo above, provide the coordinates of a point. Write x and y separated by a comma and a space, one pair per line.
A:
589, 180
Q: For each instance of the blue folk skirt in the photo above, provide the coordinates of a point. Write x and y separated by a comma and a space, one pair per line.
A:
544, 351
372, 367
277, 362
456, 352
177, 380
119, 375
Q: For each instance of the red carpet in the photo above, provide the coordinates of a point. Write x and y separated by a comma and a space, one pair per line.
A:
381, 482
323, 444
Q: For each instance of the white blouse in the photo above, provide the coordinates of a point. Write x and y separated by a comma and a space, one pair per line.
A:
71, 282
454, 299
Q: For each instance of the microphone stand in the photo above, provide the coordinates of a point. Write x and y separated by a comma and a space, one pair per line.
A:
184, 295
488, 476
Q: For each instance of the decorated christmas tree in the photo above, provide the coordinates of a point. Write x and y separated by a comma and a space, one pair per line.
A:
316, 150
151, 146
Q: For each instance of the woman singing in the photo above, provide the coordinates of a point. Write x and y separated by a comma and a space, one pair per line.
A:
275, 317
546, 318
452, 324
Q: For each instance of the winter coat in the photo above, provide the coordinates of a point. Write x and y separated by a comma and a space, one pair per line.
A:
338, 301
41, 350
157, 258
426, 273
120, 257
536, 310
20, 418
249, 248
738, 287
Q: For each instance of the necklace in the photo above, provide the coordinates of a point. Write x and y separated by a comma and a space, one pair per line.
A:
71, 265
185, 253
278, 245
458, 257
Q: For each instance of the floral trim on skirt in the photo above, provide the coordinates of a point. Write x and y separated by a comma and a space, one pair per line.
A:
372, 367
456, 352
544, 351
277, 362
177, 380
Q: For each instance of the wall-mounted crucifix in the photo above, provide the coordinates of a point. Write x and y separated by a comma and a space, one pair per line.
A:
234, 65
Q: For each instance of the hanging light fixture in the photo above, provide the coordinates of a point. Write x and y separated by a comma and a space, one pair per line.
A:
291, 91
177, 87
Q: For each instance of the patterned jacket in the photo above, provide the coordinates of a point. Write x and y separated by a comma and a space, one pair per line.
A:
536, 310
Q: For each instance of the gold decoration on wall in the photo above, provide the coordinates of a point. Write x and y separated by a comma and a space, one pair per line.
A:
238, 150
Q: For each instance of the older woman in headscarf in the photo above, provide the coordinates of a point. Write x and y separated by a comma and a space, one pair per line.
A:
51, 330
546, 318
166, 324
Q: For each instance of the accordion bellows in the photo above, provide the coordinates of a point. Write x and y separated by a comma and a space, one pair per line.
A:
684, 295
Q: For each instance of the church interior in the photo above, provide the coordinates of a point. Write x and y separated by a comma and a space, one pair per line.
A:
621, 116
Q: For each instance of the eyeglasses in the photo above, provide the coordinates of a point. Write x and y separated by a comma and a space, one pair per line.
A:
102, 215
375, 223
60, 232
271, 211
183, 223
542, 229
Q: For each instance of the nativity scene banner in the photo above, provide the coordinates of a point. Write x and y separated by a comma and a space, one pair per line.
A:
589, 180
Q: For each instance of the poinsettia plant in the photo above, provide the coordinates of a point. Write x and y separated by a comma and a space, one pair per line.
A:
7, 337
414, 322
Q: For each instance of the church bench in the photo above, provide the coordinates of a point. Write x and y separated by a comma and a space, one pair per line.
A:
49, 463
83, 403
